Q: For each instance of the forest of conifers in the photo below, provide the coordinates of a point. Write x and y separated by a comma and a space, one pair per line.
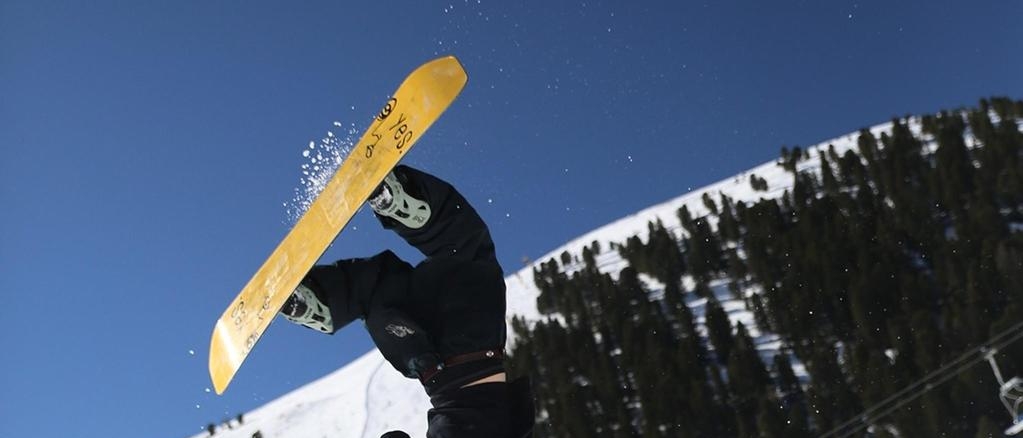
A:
875, 269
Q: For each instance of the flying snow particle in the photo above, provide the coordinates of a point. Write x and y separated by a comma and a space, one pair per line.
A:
323, 158
191, 352
198, 407
207, 390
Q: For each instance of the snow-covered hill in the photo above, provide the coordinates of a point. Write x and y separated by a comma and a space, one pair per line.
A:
367, 397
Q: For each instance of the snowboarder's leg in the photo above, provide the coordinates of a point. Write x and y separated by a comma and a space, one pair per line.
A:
374, 289
331, 296
432, 216
458, 293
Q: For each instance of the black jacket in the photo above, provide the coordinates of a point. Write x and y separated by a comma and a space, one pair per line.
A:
451, 304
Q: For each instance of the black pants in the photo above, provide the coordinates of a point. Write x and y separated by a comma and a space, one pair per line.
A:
451, 304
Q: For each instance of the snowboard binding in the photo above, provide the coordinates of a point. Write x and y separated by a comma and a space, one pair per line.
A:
391, 199
305, 308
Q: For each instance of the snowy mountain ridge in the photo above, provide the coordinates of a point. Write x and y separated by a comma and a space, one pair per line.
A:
366, 397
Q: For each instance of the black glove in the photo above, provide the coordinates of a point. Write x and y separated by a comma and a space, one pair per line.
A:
395, 434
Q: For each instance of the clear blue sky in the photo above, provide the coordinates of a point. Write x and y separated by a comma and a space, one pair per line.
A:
147, 150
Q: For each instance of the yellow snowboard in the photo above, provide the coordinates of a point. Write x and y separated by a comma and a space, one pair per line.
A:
417, 103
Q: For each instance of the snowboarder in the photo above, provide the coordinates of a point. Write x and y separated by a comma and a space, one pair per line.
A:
442, 321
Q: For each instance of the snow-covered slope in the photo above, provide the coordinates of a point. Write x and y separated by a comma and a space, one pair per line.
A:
367, 397
338, 404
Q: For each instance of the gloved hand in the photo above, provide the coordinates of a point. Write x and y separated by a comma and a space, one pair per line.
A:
395, 434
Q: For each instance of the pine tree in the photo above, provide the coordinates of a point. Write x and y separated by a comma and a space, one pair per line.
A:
793, 400
828, 181
953, 166
829, 396
747, 381
708, 202
728, 226
704, 256
771, 421
719, 329
788, 384
747, 375
757, 183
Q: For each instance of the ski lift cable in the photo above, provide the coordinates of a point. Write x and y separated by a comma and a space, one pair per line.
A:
867, 421
925, 382
933, 379
929, 382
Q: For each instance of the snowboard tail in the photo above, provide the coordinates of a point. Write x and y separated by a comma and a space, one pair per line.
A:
417, 103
